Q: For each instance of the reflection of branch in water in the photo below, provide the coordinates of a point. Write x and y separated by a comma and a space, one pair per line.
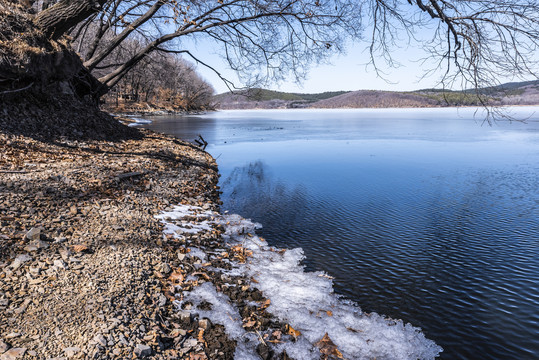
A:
252, 192
201, 142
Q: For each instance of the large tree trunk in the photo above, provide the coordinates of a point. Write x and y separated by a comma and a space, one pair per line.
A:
58, 19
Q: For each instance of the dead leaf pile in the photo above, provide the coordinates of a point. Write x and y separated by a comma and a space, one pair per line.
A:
328, 349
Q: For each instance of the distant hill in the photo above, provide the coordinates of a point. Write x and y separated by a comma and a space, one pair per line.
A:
269, 99
515, 93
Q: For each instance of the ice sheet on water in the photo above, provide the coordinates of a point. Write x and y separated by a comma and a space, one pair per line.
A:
306, 301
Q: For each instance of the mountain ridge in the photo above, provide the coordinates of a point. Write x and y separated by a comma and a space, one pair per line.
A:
512, 93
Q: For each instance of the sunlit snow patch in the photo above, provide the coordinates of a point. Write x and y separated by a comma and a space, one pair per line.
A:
178, 220
222, 312
305, 300
139, 121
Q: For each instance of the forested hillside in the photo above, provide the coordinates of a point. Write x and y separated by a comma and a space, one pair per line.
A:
516, 93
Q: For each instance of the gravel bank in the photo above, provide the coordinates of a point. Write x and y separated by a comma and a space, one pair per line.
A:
84, 267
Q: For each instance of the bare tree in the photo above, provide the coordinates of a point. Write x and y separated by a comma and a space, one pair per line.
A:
263, 40
475, 42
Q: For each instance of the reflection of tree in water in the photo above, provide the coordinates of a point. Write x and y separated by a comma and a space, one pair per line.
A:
291, 216
254, 193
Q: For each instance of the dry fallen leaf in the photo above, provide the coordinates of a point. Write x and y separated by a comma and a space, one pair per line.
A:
249, 323
200, 356
265, 304
291, 331
200, 336
176, 277
80, 248
328, 348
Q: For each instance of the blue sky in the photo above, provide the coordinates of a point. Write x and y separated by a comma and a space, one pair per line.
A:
345, 72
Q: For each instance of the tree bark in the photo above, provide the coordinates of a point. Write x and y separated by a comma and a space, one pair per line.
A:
58, 19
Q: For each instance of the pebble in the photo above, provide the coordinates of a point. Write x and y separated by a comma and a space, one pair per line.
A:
71, 351
162, 300
59, 264
190, 343
100, 339
33, 234
204, 323
143, 351
19, 260
36, 245
3, 347
12, 354
184, 315
104, 298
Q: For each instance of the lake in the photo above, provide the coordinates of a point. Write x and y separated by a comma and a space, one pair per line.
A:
427, 215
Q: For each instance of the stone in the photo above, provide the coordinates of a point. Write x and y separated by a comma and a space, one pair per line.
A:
190, 343
204, 324
184, 315
19, 260
143, 350
34, 271
3, 347
161, 300
100, 339
23, 307
36, 245
59, 264
12, 354
65, 254
165, 269
33, 234
71, 351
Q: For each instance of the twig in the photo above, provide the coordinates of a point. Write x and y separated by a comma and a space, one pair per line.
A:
17, 90
260, 337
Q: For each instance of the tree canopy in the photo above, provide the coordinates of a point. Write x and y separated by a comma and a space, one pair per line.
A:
474, 42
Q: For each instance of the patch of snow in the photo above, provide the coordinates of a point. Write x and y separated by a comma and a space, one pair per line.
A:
139, 121
196, 252
224, 313
175, 226
305, 300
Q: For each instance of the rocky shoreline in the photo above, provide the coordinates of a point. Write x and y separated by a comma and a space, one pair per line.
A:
84, 268
117, 249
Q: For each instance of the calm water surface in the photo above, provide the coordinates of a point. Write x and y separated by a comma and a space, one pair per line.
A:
425, 215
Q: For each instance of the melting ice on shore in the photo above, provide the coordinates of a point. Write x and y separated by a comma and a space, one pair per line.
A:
139, 121
306, 301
